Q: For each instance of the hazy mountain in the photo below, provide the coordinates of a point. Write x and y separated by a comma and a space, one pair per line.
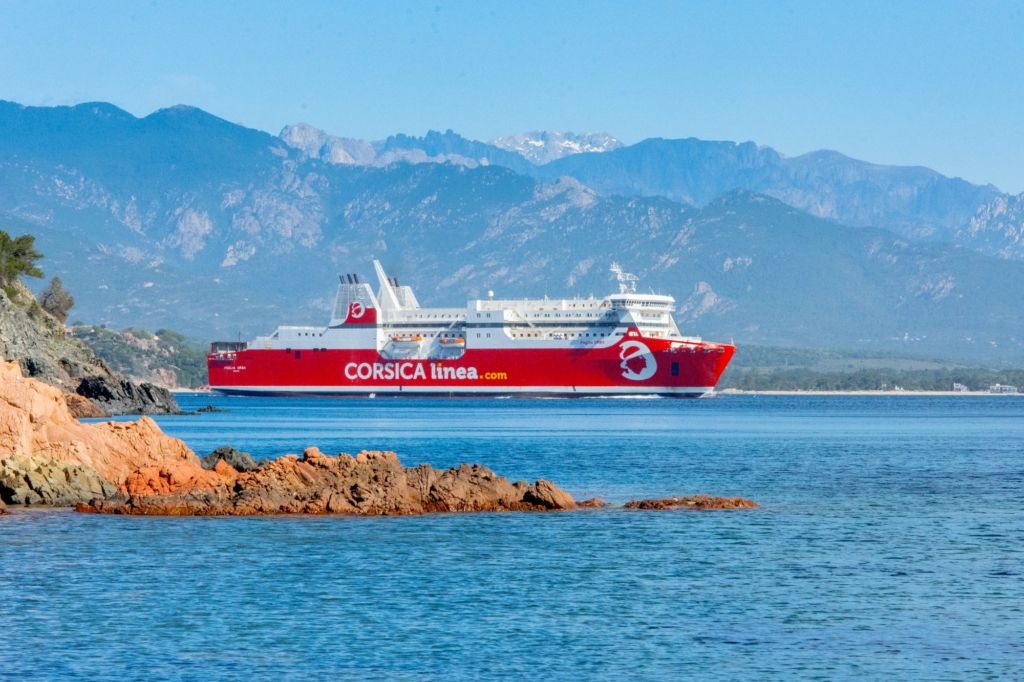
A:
447, 146
183, 220
316, 144
434, 147
542, 146
915, 202
997, 227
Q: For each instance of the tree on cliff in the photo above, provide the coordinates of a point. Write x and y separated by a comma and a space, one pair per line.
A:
56, 299
18, 257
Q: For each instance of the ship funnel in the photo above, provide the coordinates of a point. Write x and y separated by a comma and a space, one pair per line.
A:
355, 302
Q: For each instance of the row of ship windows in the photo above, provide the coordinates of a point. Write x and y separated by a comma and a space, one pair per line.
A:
432, 317
453, 335
453, 318
555, 335
642, 304
489, 316
537, 315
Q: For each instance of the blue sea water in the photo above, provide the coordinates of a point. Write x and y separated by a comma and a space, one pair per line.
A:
890, 543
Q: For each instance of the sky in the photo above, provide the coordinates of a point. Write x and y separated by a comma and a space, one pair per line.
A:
935, 83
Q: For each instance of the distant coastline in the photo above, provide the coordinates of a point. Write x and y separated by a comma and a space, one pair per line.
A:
969, 394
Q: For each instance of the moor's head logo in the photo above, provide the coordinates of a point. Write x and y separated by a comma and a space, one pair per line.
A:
638, 363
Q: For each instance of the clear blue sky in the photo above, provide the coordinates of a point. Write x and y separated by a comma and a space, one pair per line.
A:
928, 82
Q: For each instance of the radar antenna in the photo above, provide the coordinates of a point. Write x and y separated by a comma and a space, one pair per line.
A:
627, 281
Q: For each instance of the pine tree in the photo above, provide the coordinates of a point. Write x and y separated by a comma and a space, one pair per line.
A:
56, 299
18, 258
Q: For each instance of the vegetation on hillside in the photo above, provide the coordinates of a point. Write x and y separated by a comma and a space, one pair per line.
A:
164, 357
799, 379
765, 368
56, 299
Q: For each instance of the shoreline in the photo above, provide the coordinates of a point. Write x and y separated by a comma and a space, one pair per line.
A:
966, 394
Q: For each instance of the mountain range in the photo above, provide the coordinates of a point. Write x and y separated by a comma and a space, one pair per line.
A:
183, 220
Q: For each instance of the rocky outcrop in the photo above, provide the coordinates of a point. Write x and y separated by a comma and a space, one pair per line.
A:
371, 483
696, 502
121, 396
238, 460
38, 343
81, 407
50, 457
62, 484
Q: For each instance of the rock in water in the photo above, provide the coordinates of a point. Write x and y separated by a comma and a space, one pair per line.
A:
240, 461
371, 483
47, 456
697, 502
61, 484
50, 457
120, 396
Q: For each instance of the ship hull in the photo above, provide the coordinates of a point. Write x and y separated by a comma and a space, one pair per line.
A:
635, 366
444, 392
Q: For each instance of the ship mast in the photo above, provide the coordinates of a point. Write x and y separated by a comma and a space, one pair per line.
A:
627, 281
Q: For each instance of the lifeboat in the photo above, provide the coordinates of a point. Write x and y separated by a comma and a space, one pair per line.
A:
406, 339
457, 342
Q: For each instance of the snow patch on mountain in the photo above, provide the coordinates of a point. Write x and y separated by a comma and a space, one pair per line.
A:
541, 146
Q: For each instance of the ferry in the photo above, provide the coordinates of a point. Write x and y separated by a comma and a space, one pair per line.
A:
384, 343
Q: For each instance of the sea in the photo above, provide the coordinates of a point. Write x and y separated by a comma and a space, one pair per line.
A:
889, 543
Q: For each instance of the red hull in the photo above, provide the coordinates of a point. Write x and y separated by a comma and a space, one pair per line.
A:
635, 365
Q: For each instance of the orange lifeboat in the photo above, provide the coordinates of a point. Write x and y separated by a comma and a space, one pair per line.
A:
406, 339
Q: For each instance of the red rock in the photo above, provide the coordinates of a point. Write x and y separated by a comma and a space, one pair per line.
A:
38, 426
157, 474
371, 483
225, 470
81, 407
